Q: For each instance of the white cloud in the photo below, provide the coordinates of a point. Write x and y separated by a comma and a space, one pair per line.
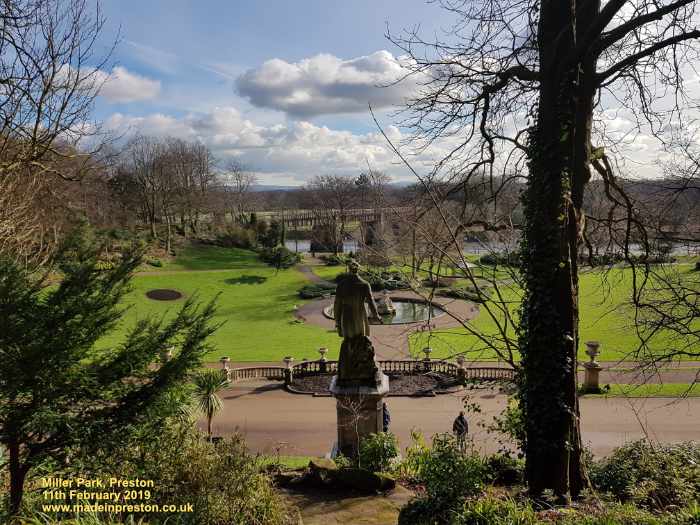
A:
123, 86
295, 150
325, 84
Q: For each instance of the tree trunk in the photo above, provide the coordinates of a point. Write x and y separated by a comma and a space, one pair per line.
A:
168, 237
17, 475
549, 338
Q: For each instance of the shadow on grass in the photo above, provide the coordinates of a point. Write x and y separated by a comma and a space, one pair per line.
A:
247, 279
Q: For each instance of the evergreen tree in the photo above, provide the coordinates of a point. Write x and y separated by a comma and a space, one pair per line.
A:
58, 390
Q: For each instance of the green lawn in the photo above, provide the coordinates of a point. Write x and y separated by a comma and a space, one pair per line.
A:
651, 390
329, 273
604, 317
255, 303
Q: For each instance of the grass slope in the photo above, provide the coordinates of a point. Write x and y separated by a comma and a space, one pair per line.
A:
604, 317
255, 304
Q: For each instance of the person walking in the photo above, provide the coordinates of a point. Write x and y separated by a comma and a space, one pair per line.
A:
460, 428
386, 417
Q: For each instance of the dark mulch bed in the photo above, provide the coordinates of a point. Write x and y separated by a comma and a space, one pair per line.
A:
399, 385
163, 294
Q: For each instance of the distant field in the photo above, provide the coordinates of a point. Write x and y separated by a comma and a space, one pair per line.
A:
255, 303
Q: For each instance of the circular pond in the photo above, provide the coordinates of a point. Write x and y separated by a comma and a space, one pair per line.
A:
163, 294
407, 311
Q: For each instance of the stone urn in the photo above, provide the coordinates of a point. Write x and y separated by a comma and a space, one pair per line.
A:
591, 381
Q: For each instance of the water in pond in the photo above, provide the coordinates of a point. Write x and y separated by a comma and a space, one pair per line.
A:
410, 312
406, 312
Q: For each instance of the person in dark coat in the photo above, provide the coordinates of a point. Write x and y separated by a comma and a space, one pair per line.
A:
386, 417
460, 428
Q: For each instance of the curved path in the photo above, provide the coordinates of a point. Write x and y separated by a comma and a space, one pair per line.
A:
271, 418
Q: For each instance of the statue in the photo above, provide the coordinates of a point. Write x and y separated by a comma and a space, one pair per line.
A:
385, 306
356, 364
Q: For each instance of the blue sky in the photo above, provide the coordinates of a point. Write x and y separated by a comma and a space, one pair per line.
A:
280, 87
178, 66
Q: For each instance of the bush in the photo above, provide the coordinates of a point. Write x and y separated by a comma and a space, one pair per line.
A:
333, 260
237, 237
510, 424
501, 259
378, 451
312, 291
448, 474
223, 482
654, 477
504, 469
156, 262
279, 257
415, 457
468, 293
104, 265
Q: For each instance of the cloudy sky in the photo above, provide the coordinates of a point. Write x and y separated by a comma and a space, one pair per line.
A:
283, 86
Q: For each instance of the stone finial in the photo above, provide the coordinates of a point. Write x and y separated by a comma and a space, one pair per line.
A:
427, 351
288, 360
460, 361
225, 363
323, 351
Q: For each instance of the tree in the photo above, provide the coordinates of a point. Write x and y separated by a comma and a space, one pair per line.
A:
331, 197
48, 90
207, 385
238, 185
57, 390
522, 91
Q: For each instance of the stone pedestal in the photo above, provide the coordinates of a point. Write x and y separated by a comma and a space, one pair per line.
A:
591, 380
359, 410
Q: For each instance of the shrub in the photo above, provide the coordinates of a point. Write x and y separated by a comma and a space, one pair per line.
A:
104, 265
223, 481
279, 257
237, 237
494, 511
333, 260
448, 474
501, 259
377, 451
415, 457
654, 477
468, 293
312, 291
504, 469
510, 424
156, 262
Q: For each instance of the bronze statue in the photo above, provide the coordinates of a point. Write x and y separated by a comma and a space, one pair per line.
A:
356, 364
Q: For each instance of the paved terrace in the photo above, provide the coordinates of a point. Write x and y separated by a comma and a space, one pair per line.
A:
272, 419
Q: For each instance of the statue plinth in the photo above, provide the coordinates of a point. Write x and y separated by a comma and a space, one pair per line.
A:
359, 410
360, 384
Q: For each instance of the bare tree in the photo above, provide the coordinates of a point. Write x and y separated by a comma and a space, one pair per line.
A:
520, 89
238, 183
49, 77
331, 197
